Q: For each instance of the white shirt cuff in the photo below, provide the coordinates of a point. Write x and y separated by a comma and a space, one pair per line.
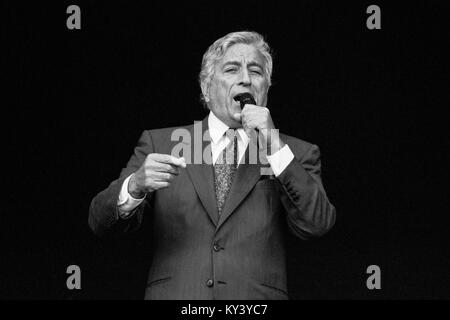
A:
280, 160
126, 202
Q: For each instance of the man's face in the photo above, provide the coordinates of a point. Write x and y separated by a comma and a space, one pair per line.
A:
240, 70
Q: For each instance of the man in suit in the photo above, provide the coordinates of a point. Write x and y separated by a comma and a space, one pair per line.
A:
219, 223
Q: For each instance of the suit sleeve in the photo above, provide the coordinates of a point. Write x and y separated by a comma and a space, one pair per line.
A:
309, 212
104, 216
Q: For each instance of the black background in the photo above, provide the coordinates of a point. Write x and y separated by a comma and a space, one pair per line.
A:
373, 100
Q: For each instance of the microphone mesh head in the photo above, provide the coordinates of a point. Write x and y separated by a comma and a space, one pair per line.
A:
245, 98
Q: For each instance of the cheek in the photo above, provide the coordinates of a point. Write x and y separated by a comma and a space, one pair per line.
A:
223, 86
263, 90
218, 87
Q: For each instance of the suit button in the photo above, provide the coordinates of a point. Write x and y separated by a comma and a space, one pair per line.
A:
209, 283
216, 247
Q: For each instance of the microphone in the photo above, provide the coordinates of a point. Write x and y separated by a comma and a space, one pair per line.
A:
245, 98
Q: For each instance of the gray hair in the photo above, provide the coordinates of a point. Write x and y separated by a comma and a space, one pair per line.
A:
217, 50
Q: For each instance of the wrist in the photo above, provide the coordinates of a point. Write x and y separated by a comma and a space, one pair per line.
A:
276, 146
271, 141
134, 190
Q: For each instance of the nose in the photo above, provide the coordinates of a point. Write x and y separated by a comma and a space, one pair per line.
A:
245, 79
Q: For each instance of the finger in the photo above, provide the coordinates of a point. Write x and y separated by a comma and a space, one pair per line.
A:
247, 115
164, 167
163, 176
249, 132
248, 108
160, 184
249, 123
251, 110
181, 162
167, 158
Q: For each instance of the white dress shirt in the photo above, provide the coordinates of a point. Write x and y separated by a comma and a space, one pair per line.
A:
219, 140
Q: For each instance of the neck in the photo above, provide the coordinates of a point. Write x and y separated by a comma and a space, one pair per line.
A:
231, 123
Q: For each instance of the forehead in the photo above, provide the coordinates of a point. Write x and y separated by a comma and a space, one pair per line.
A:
243, 52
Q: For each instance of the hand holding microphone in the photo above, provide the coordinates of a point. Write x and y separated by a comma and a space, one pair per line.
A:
258, 118
243, 99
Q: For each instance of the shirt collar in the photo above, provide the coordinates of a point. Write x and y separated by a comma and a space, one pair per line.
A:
217, 129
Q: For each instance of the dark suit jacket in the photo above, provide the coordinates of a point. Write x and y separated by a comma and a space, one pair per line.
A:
237, 255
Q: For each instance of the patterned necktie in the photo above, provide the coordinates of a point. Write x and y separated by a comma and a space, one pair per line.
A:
224, 170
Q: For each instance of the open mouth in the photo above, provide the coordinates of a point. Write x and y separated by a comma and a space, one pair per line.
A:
238, 96
244, 98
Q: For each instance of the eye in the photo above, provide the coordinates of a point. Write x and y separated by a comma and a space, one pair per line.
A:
256, 71
231, 70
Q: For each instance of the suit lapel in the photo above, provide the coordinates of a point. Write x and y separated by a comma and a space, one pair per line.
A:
202, 175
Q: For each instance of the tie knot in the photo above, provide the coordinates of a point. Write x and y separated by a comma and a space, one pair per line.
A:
231, 134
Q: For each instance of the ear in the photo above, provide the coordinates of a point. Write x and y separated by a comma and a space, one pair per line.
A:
205, 90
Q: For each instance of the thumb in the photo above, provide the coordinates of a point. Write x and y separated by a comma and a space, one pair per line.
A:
179, 162
249, 132
237, 116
